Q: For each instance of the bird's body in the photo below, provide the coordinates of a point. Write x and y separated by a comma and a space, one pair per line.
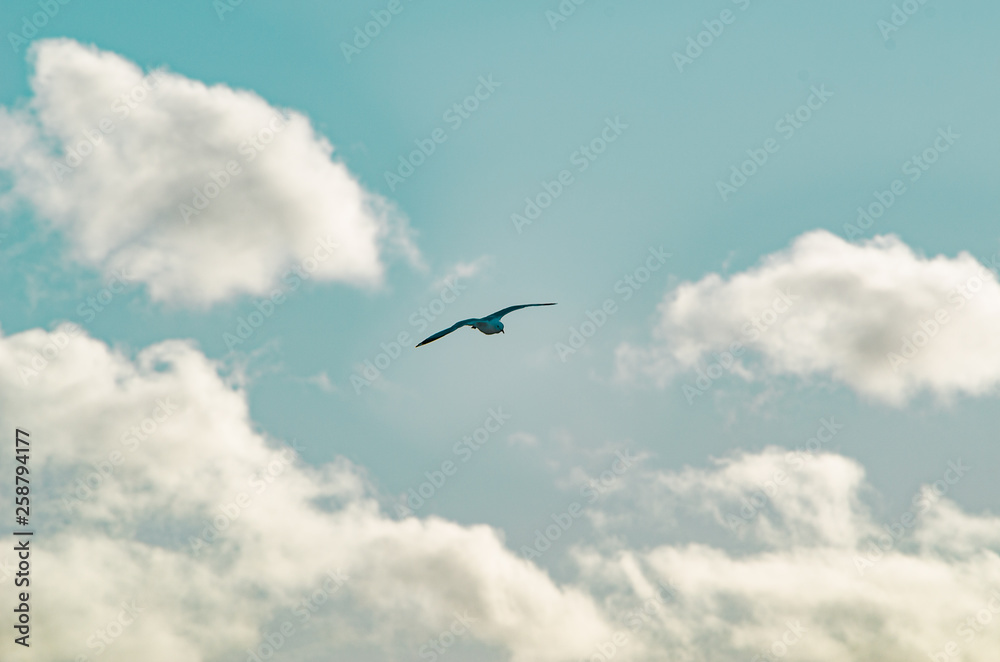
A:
489, 325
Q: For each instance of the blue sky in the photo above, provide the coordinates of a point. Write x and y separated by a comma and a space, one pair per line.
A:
885, 97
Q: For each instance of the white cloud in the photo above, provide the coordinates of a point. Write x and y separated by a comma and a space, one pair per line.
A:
179, 448
321, 380
464, 271
818, 501
521, 438
182, 461
160, 138
816, 564
862, 314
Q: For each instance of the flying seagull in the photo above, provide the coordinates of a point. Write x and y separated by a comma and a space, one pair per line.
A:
489, 325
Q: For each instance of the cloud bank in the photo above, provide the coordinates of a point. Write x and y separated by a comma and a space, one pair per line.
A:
156, 488
174, 529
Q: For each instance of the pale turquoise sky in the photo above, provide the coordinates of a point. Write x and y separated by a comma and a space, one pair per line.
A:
654, 186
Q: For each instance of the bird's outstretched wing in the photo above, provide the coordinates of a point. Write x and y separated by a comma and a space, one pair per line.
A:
441, 334
500, 313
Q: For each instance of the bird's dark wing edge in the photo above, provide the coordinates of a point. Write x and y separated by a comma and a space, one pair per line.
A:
500, 313
441, 334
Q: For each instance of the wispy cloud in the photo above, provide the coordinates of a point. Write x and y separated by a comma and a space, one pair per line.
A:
463, 271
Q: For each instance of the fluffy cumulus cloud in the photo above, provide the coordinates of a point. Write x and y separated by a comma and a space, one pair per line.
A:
876, 316
799, 568
200, 192
173, 529
168, 528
